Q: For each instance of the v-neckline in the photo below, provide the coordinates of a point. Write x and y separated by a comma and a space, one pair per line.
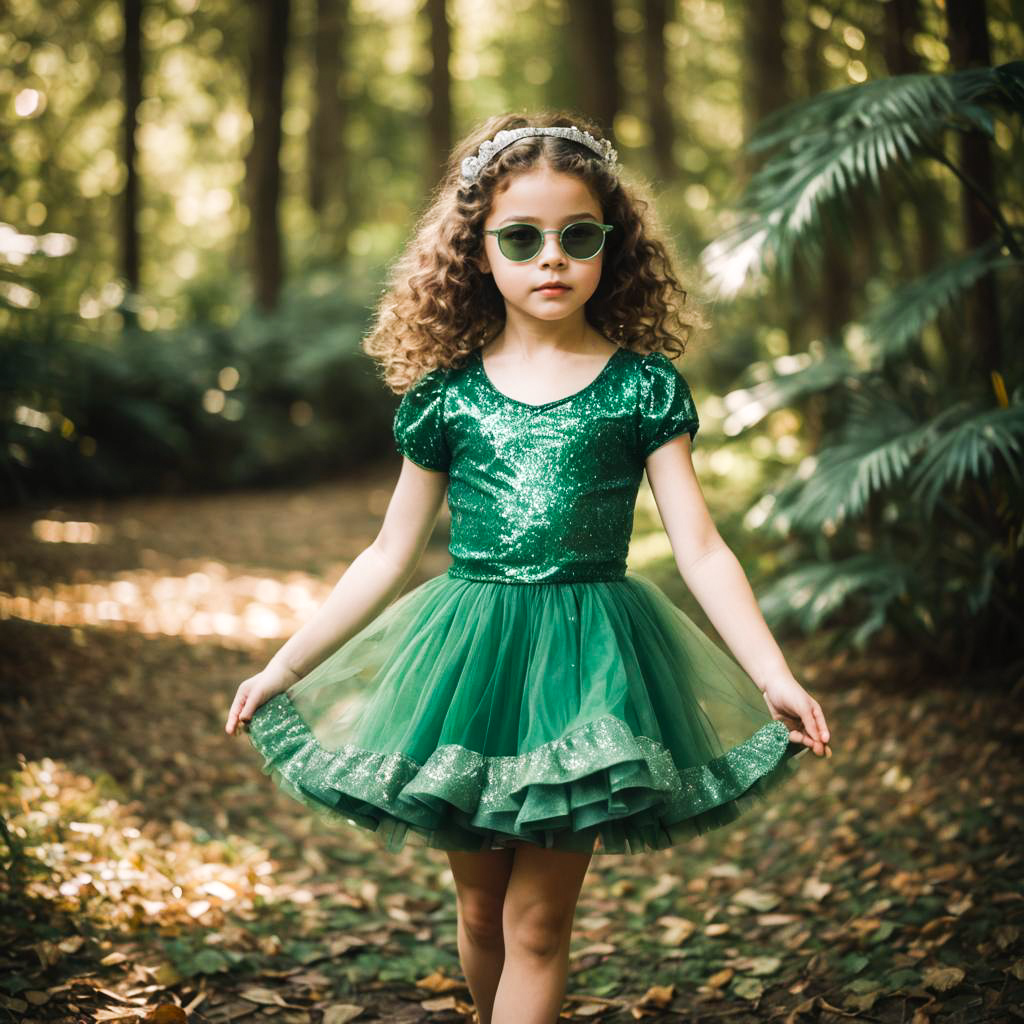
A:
554, 401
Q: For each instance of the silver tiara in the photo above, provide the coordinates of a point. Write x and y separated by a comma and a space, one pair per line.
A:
473, 165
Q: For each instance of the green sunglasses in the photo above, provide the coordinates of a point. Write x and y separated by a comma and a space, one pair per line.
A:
581, 240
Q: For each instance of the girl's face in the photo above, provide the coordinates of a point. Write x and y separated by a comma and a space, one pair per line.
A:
548, 199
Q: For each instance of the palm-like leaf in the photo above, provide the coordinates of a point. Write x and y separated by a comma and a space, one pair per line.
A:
835, 142
972, 448
812, 593
844, 476
901, 316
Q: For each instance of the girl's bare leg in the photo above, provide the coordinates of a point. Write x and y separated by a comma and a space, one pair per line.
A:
540, 903
480, 883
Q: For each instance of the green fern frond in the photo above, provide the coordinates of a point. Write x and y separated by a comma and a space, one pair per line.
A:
834, 143
810, 594
1002, 86
876, 448
844, 477
922, 98
972, 448
902, 316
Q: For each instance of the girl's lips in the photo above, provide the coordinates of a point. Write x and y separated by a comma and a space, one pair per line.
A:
553, 289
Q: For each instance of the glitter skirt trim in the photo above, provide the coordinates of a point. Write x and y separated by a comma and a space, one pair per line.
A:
575, 716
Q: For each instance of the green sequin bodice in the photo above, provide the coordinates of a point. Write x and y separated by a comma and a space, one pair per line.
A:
543, 493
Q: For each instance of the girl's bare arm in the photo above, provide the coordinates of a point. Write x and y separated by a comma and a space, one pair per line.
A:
716, 579
371, 582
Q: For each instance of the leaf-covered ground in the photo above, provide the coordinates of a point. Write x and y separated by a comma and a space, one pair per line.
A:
151, 870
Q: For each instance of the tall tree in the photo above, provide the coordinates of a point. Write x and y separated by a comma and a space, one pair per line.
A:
593, 49
969, 47
659, 113
439, 118
835, 305
328, 170
902, 23
268, 42
766, 87
132, 71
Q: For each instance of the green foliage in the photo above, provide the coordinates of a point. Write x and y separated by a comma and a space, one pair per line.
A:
284, 397
834, 143
908, 521
899, 319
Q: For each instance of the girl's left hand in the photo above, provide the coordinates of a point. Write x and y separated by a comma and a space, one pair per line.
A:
792, 705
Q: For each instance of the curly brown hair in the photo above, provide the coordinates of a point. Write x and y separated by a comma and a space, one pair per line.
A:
439, 306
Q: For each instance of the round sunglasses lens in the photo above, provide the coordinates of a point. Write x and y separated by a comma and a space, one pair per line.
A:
582, 240
520, 242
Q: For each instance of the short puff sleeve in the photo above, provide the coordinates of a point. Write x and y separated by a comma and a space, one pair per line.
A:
666, 405
419, 423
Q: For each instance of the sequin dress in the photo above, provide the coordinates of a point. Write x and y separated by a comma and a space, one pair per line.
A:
538, 690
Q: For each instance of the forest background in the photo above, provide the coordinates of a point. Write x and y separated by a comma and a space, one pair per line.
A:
198, 205
200, 202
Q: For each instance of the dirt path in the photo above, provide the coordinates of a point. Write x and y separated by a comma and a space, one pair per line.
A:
159, 866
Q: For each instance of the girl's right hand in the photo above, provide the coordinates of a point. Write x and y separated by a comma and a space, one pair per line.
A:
257, 690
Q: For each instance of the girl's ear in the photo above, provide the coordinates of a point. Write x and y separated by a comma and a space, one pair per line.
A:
483, 264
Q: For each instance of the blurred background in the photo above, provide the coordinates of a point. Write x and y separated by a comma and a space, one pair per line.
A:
198, 205
199, 202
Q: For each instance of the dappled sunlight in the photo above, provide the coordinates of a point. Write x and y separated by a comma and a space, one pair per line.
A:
240, 609
119, 870
16, 246
54, 531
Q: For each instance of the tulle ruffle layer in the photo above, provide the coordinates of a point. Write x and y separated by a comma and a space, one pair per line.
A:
469, 714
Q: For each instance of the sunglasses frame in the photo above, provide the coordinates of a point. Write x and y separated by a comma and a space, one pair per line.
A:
605, 228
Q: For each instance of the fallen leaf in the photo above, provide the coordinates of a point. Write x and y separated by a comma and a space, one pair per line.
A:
942, 978
167, 1013
442, 1003
756, 900
815, 889
658, 995
341, 1013
262, 996
438, 982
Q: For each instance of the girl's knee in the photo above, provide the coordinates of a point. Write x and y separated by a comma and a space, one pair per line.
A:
481, 916
538, 930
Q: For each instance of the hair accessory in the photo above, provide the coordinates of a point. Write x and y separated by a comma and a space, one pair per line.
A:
473, 165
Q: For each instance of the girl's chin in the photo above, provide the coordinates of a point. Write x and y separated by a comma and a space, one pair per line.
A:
541, 308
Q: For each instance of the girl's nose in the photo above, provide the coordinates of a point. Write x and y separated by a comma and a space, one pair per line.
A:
551, 252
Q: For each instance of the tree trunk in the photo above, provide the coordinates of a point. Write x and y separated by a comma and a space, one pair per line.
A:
902, 23
969, 47
132, 65
269, 39
764, 45
659, 113
439, 119
328, 171
593, 50
765, 88
836, 299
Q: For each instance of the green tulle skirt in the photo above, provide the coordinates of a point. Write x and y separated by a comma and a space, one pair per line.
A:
575, 716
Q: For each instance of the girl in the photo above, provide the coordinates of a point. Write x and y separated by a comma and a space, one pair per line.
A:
537, 703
